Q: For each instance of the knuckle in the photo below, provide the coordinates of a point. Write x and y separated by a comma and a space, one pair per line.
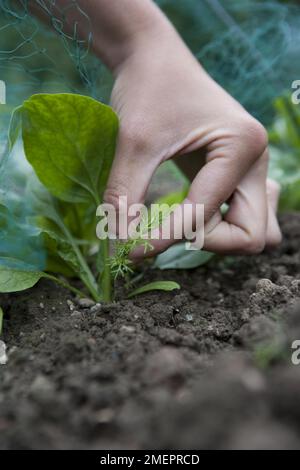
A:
113, 193
254, 245
255, 136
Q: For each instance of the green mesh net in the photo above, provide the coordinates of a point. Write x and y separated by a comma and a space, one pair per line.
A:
36, 58
250, 47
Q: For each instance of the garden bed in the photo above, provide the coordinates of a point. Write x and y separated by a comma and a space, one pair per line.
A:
205, 367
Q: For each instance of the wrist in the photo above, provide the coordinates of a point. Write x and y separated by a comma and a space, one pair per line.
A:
136, 32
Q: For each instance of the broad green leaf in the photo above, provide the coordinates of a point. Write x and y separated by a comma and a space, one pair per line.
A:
70, 142
58, 237
13, 279
57, 265
16, 280
166, 286
72, 160
60, 254
178, 257
80, 219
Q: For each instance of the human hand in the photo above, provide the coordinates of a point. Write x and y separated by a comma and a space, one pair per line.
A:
170, 108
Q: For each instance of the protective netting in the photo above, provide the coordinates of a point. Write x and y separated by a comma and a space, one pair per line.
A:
250, 47
36, 58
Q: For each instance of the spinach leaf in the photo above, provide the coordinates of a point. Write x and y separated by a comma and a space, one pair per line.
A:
166, 286
59, 239
70, 142
16, 280
178, 257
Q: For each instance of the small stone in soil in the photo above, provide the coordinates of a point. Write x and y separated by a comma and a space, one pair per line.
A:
71, 305
265, 285
3, 356
96, 308
105, 416
86, 303
189, 317
76, 315
128, 328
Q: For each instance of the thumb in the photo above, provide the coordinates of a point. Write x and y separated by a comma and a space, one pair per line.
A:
131, 172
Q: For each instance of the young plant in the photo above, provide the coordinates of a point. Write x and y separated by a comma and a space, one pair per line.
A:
69, 140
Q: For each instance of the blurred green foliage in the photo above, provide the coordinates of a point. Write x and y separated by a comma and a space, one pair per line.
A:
284, 137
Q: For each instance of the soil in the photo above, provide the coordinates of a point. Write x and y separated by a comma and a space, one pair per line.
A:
205, 367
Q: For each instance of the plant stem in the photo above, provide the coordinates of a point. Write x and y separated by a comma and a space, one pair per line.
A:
64, 284
106, 285
87, 278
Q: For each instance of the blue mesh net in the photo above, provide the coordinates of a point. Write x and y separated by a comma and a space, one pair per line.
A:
250, 47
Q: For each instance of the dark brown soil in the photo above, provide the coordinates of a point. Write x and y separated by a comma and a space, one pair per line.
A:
207, 367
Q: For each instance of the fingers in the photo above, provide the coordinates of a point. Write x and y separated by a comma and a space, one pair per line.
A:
131, 172
229, 159
251, 224
232, 171
243, 229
